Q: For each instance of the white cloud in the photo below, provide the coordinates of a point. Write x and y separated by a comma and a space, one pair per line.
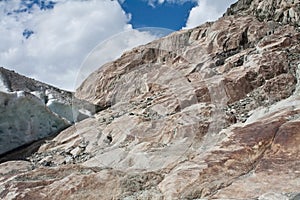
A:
63, 37
174, 1
169, 1
153, 3
207, 10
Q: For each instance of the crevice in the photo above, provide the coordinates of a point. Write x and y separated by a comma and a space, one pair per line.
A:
244, 42
221, 57
204, 34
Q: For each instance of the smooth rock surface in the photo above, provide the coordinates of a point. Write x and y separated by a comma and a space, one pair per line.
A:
207, 113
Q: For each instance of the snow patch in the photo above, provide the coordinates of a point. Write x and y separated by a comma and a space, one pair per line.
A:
20, 94
3, 86
63, 110
40, 95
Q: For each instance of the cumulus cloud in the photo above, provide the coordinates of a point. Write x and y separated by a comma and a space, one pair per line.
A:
207, 10
58, 39
49, 40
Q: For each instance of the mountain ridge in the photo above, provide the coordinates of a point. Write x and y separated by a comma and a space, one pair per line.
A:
23, 83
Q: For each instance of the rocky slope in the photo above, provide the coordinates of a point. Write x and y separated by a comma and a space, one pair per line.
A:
212, 112
31, 110
282, 11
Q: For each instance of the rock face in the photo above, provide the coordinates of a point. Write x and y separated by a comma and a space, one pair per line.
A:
212, 112
31, 110
283, 11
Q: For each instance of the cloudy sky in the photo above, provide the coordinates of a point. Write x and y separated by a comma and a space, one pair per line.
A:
49, 40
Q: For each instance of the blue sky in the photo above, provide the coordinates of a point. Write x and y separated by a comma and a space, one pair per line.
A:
49, 39
167, 15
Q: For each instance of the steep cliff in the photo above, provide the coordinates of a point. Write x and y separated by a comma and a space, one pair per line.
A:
211, 112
